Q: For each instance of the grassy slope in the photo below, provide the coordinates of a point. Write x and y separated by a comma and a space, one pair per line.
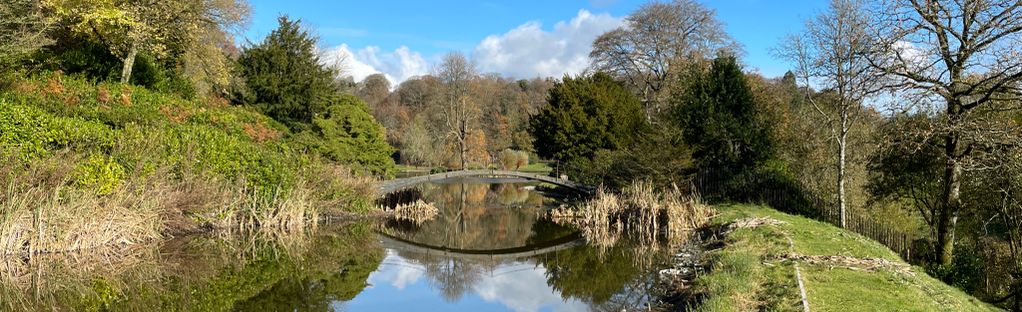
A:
748, 275
154, 156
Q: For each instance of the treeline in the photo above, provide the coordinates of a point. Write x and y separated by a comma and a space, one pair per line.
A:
455, 117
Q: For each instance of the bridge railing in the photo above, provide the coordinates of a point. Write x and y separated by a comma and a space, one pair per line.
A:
397, 184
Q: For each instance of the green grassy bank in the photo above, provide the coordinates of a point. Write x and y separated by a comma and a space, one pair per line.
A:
840, 270
89, 164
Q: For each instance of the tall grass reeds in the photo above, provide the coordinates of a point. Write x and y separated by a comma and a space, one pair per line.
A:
640, 211
41, 213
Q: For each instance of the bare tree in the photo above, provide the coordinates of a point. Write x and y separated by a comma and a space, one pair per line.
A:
964, 60
831, 55
459, 110
655, 37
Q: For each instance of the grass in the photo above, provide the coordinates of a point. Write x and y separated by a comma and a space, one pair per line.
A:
537, 168
750, 272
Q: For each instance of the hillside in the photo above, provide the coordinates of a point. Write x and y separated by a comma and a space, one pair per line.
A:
87, 165
840, 270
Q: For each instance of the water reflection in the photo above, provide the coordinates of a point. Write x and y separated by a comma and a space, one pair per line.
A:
491, 248
479, 216
200, 273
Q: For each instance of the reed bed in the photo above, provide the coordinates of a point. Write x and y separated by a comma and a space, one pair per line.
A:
640, 211
252, 209
40, 214
44, 210
416, 212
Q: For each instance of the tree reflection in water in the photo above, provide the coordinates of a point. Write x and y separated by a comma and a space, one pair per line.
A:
267, 271
484, 217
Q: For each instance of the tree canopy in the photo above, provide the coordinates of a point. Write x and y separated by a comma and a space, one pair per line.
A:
720, 120
308, 88
586, 114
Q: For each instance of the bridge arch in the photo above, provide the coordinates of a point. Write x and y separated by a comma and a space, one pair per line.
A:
562, 243
390, 186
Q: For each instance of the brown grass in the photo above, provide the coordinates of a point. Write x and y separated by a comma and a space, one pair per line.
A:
38, 214
417, 212
640, 211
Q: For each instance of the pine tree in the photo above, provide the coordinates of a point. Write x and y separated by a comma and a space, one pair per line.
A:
718, 115
285, 78
587, 114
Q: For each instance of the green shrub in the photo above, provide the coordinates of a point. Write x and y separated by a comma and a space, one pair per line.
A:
348, 134
99, 173
30, 132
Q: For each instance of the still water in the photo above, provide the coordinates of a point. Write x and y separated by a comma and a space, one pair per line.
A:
491, 248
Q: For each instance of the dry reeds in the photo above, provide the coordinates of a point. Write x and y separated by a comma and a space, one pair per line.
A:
417, 212
251, 209
640, 211
38, 214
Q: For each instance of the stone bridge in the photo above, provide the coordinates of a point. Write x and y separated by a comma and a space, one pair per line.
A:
389, 186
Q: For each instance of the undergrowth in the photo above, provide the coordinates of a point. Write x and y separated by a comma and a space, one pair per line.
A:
88, 164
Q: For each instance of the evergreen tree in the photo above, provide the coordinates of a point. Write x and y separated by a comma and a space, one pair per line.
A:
347, 133
587, 114
285, 78
719, 118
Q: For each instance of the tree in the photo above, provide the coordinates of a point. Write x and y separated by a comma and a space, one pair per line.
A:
345, 132
831, 54
124, 27
459, 110
658, 35
586, 114
285, 78
23, 28
962, 56
209, 49
129, 27
417, 145
720, 120
374, 90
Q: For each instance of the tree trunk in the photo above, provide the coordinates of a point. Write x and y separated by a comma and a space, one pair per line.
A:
842, 144
464, 149
129, 62
947, 218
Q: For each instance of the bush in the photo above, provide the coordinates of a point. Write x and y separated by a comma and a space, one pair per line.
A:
512, 159
99, 173
348, 134
29, 132
113, 136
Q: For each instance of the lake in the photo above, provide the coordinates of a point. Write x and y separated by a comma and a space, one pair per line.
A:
490, 248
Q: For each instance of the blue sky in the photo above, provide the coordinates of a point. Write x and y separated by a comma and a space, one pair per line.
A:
522, 39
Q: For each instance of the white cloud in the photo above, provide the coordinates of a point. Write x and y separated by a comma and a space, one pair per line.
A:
528, 50
524, 52
397, 65
519, 291
397, 272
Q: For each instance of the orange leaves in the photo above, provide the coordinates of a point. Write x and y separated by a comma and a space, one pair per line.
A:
103, 95
260, 133
126, 96
175, 113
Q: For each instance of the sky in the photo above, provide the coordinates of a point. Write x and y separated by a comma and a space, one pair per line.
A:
520, 39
